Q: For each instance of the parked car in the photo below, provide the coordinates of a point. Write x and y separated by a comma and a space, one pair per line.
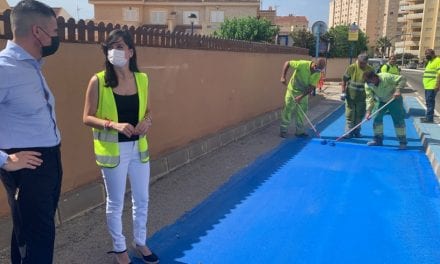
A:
411, 65
376, 62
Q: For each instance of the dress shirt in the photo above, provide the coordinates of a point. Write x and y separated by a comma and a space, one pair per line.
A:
27, 105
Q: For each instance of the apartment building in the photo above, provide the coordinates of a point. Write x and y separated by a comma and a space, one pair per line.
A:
377, 18
419, 26
286, 24
201, 16
289, 24
269, 14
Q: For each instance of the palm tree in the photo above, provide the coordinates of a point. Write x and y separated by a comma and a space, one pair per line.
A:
382, 45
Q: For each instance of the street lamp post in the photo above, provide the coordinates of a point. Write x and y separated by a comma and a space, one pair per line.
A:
403, 50
192, 18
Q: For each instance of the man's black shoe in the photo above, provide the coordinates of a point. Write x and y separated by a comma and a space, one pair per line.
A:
426, 120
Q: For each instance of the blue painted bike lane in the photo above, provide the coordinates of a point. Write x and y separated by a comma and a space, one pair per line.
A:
305, 202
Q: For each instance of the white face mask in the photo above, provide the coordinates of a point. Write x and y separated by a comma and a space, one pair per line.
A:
117, 57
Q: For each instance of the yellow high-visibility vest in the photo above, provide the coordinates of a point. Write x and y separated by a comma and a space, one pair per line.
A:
432, 71
388, 68
105, 141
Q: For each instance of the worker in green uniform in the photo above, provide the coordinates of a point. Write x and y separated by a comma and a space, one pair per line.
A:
353, 92
391, 66
305, 77
380, 89
431, 83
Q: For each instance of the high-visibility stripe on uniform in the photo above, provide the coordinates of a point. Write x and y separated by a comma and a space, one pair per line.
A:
106, 160
104, 135
359, 86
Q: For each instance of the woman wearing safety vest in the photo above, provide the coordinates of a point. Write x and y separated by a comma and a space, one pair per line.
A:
117, 109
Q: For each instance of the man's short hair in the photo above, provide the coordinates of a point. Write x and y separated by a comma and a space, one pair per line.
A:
363, 57
321, 62
430, 51
27, 13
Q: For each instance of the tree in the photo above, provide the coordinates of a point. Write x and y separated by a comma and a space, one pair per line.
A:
382, 45
249, 28
406, 58
303, 38
340, 46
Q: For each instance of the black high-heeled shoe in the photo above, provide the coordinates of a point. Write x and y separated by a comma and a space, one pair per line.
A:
117, 253
150, 259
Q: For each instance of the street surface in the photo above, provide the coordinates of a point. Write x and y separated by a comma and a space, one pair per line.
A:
414, 78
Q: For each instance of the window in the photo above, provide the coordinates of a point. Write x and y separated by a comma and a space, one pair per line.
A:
187, 21
158, 17
217, 16
130, 14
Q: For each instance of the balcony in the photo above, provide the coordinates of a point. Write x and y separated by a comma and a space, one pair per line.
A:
401, 19
414, 7
416, 25
398, 44
414, 16
412, 43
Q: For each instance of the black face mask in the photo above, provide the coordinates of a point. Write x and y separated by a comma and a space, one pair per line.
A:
428, 57
52, 48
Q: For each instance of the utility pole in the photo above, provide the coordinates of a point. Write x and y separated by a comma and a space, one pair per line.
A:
77, 11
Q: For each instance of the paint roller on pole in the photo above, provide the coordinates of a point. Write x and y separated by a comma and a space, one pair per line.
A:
323, 141
365, 120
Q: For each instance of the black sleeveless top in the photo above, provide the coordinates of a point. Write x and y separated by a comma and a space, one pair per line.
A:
128, 110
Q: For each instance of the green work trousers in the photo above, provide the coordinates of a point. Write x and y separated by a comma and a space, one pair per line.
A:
397, 112
354, 114
291, 108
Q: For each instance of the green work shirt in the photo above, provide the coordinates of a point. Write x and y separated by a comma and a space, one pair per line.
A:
354, 75
388, 68
302, 77
432, 72
388, 85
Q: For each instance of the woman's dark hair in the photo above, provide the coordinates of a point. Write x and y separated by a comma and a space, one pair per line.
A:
111, 80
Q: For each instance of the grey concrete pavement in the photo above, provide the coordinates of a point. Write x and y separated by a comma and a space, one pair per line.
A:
85, 239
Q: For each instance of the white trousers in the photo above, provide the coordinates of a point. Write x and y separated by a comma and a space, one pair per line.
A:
115, 180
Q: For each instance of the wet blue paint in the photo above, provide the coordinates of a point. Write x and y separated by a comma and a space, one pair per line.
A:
306, 202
